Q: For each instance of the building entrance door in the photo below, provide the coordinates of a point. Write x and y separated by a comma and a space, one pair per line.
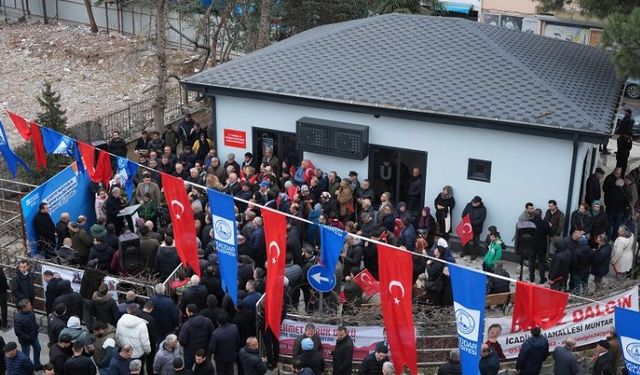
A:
283, 145
390, 170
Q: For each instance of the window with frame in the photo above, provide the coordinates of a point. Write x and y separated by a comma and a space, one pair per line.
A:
479, 170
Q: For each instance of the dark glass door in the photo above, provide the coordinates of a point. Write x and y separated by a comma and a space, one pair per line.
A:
390, 170
282, 143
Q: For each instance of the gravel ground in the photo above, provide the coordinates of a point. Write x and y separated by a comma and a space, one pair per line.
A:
94, 74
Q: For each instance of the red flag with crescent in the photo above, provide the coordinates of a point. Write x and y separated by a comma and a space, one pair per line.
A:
184, 226
367, 282
275, 235
395, 295
537, 306
465, 230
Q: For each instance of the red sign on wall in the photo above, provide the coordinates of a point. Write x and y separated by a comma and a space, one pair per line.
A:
235, 138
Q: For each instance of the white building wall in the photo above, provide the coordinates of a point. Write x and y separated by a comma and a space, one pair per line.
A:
524, 168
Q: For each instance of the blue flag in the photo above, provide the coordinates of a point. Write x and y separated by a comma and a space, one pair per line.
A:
57, 143
223, 219
9, 156
626, 323
127, 172
331, 241
469, 298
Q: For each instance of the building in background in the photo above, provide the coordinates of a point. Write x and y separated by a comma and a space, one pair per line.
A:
527, 16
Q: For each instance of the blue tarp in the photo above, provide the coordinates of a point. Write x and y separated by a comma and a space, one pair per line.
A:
457, 7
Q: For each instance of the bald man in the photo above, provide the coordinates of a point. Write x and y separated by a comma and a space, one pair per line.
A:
250, 358
62, 228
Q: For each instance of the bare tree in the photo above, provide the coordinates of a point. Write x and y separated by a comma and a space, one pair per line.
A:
265, 24
160, 101
92, 20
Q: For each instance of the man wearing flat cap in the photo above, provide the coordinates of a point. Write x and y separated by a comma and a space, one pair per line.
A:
603, 358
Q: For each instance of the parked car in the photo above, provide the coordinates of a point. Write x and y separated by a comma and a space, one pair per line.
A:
632, 89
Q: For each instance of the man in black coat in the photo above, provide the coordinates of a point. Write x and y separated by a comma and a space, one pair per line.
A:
343, 352
79, 364
311, 358
593, 191
561, 261
564, 360
477, 213
60, 353
53, 289
26, 330
56, 322
62, 228
112, 208
453, 366
309, 332
22, 285
489, 361
194, 334
604, 358
250, 359
532, 353
538, 257
372, 364
117, 145
580, 266
224, 345
4, 296
45, 231
600, 259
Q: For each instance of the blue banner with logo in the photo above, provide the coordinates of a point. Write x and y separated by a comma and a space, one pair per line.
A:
331, 242
223, 220
469, 297
57, 143
127, 171
67, 191
9, 156
626, 323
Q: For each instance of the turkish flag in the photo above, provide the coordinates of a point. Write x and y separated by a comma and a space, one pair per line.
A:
22, 125
537, 306
88, 156
395, 294
275, 236
465, 230
38, 146
103, 172
184, 226
367, 282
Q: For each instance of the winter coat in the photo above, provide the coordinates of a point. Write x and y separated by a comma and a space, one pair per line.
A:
195, 334
622, 254
532, 353
25, 327
80, 365
99, 208
408, 237
581, 261
600, 223
344, 196
118, 147
58, 356
165, 314
100, 353
600, 261
312, 359
441, 214
494, 253
560, 263
55, 325
104, 308
353, 257
556, 220
225, 342
166, 260
371, 366
477, 216
564, 362
490, 365
77, 335
23, 286
45, 228
581, 221
132, 330
81, 242
148, 249
592, 191
616, 200
119, 365
196, 294
19, 365
343, 356
450, 368
603, 360
104, 254
251, 362
163, 362
297, 344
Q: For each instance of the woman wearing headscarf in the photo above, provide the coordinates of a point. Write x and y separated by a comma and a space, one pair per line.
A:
444, 203
622, 254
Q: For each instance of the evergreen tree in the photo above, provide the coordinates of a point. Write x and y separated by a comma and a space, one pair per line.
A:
52, 115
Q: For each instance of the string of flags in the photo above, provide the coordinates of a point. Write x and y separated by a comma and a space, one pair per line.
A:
534, 305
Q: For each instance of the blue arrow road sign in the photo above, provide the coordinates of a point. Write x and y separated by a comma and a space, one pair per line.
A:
320, 279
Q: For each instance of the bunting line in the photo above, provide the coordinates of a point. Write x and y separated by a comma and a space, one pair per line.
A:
383, 244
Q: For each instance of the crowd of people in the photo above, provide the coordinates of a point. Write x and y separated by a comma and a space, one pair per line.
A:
200, 321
